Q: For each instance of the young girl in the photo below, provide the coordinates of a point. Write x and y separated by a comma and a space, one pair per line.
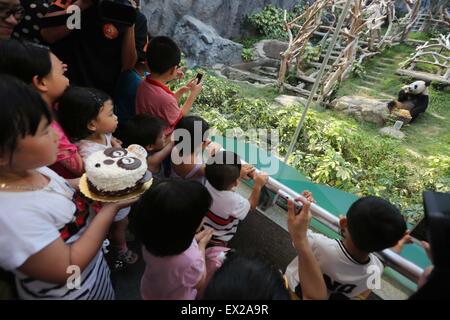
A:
36, 65
48, 234
173, 253
191, 140
87, 117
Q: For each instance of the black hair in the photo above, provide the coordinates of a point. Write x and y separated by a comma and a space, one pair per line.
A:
77, 107
142, 129
22, 111
162, 54
24, 60
375, 224
223, 170
192, 124
168, 215
245, 277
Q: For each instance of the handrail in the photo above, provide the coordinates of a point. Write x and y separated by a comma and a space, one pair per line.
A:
389, 257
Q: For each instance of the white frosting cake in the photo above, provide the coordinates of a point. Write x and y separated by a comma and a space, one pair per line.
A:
115, 171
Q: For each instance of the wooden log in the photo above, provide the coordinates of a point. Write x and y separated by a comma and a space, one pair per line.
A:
423, 76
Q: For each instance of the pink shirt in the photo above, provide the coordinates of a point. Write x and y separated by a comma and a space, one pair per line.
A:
67, 152
66, 149
157, 100
172, 277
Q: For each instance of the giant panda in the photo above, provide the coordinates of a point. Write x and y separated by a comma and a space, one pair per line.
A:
412, 98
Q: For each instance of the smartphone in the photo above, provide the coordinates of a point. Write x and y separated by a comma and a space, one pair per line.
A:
420, 231
281, 200
199, 77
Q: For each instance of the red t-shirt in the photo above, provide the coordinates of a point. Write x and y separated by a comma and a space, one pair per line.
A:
157, 100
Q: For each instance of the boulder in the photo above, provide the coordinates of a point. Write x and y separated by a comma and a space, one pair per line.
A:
226, 16
203, 46
286, 100
362, 108
392, 132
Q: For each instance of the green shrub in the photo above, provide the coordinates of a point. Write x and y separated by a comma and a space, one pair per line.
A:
270, 21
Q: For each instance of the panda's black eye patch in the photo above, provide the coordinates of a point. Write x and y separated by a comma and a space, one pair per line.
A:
415, 87
129, 163
115, 152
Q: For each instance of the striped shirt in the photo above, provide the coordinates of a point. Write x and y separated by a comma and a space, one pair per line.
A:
227, 209
30, 221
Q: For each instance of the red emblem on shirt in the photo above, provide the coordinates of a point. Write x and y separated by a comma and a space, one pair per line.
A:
110, 31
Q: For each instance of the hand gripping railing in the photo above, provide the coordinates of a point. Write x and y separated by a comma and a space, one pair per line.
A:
389, 257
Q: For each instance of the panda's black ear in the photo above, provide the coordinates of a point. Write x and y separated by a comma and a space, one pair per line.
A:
427, 83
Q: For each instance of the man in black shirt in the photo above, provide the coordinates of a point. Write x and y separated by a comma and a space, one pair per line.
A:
98, 51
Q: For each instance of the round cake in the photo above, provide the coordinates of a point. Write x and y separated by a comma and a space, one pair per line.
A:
116, 171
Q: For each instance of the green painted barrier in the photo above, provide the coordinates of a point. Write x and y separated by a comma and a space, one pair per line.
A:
333, 200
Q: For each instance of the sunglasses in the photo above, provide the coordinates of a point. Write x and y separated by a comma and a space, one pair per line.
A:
17, 12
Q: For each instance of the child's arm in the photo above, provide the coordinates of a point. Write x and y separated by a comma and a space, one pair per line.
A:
203, 238
401, 243
260, 180
195, 91
51, 263
154, 162
184, 89
310, 275
74, 183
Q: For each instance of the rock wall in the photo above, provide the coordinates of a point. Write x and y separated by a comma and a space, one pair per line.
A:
203, 46
225, 16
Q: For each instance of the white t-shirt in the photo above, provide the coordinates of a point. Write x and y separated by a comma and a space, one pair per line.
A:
228, 207
32, 220
86, 148
343, 274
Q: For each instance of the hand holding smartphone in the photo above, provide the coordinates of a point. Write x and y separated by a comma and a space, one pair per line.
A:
199, 77
282, 199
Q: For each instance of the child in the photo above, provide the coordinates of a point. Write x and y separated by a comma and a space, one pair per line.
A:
153, 96
36, 65
87, 117
126, 88
191, 140
372, 224
148, 132
175, 259
228, 207
245, 277
48, 233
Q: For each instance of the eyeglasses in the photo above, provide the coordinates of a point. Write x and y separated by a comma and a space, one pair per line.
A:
17, 12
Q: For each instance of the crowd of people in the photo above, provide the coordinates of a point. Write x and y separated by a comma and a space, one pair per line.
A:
69, 93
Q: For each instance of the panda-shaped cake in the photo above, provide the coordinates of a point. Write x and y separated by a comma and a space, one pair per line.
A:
116, 171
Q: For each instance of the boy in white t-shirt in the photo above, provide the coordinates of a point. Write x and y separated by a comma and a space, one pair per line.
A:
228, 207
349, 267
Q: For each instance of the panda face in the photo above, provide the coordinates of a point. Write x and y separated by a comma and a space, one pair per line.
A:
417, 87
118, 157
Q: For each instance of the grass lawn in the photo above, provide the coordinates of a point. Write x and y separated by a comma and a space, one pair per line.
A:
430, 134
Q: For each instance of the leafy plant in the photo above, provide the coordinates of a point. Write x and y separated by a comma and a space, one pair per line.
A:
270, 21
247, 54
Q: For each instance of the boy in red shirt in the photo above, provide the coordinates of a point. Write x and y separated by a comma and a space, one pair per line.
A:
153, 96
